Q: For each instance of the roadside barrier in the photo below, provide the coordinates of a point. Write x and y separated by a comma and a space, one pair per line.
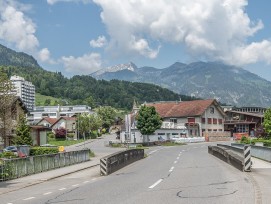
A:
231, 156
116, 161
19, 167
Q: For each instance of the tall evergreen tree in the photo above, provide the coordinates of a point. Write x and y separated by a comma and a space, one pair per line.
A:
23, 136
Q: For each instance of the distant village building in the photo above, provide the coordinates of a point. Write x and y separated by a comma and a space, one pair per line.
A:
25, 90
40, 112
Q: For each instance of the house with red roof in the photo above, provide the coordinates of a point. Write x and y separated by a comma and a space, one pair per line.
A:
188, 119
68, 123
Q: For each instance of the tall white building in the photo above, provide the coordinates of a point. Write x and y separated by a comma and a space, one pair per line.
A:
25, 90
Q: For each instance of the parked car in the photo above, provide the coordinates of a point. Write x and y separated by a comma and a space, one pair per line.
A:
12, 149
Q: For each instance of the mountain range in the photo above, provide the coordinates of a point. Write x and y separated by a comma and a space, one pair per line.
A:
228, 84
83, 89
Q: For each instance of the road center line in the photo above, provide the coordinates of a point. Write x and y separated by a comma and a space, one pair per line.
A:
85, 181
61, 189
175, 162
29, 198
47, 193
75, 185
171, 169
156, 183
178, 157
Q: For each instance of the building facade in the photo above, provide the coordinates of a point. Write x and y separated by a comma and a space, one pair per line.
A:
189, 119
25, 90
40, 112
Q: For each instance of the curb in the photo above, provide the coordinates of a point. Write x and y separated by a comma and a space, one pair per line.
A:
44, 180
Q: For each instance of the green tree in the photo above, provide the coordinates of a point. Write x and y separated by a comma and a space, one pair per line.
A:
95, 122
23, 136
107, 115
83, 124
267, 122
6, 99
148, 120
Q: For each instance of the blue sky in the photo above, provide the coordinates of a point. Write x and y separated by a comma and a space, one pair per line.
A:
83, 36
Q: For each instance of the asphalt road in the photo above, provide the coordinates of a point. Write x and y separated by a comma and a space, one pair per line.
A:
183, 174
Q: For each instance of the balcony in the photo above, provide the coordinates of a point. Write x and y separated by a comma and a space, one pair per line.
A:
172, 125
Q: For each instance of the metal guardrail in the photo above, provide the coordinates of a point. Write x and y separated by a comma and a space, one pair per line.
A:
116, 161
19, 167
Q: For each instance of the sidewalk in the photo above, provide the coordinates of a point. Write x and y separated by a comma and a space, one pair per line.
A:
16, 184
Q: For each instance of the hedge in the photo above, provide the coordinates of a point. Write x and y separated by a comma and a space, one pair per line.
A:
43, 150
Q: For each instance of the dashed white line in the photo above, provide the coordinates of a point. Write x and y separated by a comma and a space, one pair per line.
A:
178, 157
175, 162
75, 185
171, 169
183, 150
9, 203
85, 181
29, 198
61, 189
156, 183
47, 193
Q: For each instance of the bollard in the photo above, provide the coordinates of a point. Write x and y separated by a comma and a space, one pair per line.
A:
247, 158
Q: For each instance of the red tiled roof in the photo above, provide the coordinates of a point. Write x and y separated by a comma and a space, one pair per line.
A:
68, 118
182, 109
50, 120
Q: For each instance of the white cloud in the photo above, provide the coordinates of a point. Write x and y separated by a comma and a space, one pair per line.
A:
100, 42
51, 2
85, 64
44, 55
16, 28
19, 30
210, 29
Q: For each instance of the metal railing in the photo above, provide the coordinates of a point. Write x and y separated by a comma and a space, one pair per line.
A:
19, 167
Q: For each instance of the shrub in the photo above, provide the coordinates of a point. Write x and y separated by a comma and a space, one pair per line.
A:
43, 150
70, 135
103, 131
60, 133
51, 135
94, 134
9, 155
265, 142
244, 140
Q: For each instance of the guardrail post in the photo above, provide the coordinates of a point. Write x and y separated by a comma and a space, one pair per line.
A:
103, 167
247, 158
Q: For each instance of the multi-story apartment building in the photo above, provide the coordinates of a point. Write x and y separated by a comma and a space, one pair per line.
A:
40, 112
25, 90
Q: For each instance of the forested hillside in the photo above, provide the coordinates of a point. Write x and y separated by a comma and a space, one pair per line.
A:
87, 90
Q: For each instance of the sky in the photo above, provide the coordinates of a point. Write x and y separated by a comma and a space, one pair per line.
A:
79, 37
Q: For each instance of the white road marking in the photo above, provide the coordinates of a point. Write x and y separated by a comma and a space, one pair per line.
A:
171, 169
9, 203
152, 152
75, 185
47, 193
29, 198
178, 157
61, 189
94, 179
175, 162
183, 150
156, 183
85, 181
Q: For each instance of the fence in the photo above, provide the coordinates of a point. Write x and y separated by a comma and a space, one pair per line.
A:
15, 168
116, 161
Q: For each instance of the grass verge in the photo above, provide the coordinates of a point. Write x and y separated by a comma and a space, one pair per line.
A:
63, 142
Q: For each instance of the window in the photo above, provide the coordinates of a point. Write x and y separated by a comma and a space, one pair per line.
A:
220, 130
214, 121
212, 110
214, 130
220, 121
209, 120
202, 120
191, 132
160, 133
174, 133
173, 120
209, 130
203, 130
191, 120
